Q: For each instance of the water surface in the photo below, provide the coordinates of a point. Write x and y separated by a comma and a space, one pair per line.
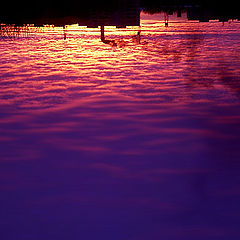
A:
135, 141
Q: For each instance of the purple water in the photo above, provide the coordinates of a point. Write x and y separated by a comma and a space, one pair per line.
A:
135, 141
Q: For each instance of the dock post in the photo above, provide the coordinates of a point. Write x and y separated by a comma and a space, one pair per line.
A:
64, 33
166, 19
102, 33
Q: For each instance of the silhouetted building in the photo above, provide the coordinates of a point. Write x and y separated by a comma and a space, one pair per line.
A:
120, 13
126, 13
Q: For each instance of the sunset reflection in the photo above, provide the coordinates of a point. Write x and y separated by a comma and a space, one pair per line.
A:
138, 139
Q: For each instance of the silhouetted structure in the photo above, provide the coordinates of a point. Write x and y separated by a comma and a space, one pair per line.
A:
206, 14
119, 13
125, 13
202, 10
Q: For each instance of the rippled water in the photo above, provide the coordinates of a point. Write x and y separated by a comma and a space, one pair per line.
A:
135, 141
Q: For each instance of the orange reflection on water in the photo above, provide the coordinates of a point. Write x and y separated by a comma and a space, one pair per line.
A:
175, 64
164, 104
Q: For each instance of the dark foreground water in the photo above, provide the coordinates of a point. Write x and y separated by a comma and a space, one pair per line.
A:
137, 141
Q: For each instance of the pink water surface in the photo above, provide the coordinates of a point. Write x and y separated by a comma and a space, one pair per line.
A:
136, 141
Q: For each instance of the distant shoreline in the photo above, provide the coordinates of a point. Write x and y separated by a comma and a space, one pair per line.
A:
94, 13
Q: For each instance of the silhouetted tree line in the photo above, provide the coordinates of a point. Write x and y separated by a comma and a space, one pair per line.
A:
208, 9
67, 12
